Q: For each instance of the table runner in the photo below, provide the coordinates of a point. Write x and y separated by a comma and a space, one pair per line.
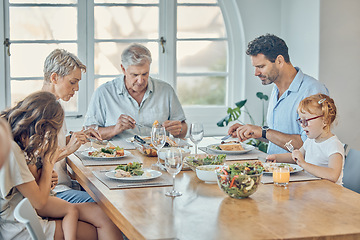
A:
294, 177
164, 180
103, 162
252, 155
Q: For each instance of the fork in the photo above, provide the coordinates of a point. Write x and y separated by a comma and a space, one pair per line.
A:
226, 137
289, 146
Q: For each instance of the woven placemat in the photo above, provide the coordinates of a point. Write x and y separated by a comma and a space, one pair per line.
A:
164, 180
252, 155
294, 177
104, 162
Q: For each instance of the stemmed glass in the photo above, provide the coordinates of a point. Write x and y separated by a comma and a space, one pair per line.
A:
91, 123
173, 165
196, 134
158, 139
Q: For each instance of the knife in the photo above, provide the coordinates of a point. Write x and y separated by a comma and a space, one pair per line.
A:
139, 139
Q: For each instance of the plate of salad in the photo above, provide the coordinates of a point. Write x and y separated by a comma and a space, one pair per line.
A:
107, 153
195, 160
132, 172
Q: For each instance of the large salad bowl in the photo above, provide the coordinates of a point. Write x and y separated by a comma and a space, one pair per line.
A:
239, 180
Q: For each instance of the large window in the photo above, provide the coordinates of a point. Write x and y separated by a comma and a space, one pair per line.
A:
188, 40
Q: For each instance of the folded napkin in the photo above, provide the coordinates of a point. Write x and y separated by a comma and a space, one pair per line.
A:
252, 155
164, 180
103, 162
294, 177
123, 144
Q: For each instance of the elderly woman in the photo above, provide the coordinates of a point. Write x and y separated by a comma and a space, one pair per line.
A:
62, 74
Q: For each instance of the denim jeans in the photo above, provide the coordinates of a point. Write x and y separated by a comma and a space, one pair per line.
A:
75, 196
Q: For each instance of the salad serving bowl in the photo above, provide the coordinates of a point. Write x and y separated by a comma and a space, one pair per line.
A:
239, 180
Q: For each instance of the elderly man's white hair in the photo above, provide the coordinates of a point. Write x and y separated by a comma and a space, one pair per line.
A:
135, 54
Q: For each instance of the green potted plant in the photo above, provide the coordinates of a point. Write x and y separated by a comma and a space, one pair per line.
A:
233, 114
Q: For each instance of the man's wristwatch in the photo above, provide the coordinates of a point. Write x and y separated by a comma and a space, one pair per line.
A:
264, 130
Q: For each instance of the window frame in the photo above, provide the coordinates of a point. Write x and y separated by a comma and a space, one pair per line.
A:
167, 28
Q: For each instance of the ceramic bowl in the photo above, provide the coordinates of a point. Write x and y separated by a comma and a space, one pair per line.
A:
207, 173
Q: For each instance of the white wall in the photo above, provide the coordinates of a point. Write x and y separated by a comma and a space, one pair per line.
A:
323, 40
339, 63
259, 17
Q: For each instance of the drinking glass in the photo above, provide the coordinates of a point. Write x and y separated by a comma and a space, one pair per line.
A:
281, 175
158, 139
91, 123
173, 165
196, 134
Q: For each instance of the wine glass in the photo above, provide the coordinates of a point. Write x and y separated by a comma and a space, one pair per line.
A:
158, 139
91, 123
173, 165
196, 134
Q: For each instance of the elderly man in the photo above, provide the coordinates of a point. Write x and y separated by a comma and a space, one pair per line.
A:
269, 55
130, 104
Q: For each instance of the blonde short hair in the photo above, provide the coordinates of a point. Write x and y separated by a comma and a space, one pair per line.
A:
61, 62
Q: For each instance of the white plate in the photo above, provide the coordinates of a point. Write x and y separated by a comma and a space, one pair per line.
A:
296, 168
86, 154
154, 174
247, 148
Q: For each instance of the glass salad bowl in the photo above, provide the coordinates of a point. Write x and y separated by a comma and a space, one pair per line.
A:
239, 180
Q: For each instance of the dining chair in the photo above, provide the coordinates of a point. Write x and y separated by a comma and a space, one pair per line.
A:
25, 213
351, 178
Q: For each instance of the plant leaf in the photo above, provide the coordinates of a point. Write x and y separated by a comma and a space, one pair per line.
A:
260, 95
240, 104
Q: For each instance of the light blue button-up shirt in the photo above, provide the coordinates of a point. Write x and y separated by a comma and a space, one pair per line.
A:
112, 99
282, 112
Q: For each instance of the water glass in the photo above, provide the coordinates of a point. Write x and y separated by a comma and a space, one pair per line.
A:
158, 140
173, 165
91, 123
196, 134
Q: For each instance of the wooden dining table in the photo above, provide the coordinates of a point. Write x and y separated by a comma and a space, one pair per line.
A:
317, 209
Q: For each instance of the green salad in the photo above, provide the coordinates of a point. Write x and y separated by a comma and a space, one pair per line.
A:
133, 168
240, 180
207, 160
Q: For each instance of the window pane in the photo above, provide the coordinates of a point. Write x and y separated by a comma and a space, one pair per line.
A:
108, 57
27, 60
197, 1
21, 89
127, 1
100, 81
44, 1
201, 90
201, 56
43, 23
200, 22
126, 22
72, 104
